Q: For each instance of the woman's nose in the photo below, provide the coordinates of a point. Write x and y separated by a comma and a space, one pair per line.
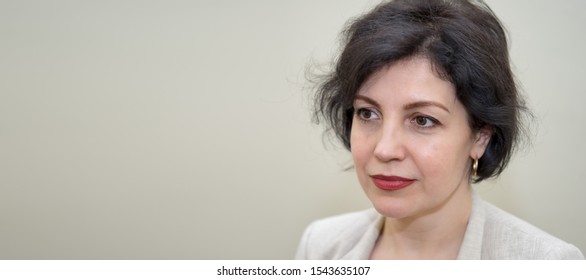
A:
390, 145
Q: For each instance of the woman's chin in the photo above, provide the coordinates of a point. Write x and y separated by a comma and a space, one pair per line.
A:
392, 208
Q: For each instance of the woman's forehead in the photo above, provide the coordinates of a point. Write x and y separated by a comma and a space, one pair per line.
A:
412, 80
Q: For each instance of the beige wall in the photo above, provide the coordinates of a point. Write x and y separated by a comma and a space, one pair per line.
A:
180, 129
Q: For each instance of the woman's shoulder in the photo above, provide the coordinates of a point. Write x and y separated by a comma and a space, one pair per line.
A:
340, 236
509, 237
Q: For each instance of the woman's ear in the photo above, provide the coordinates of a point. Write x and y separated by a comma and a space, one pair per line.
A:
481, 140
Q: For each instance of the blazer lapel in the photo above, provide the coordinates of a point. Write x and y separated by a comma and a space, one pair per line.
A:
363, 248
471, 248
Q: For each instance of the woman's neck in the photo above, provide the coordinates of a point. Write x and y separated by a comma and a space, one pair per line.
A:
436, 234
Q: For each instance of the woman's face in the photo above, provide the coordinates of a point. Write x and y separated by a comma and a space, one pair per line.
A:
410, 140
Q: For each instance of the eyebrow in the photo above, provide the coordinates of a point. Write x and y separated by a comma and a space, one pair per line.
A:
409, 106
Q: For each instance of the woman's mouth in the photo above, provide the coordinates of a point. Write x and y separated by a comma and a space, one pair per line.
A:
391, 183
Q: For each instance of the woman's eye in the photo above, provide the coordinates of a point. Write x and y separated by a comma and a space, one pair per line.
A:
366, 114
424, 122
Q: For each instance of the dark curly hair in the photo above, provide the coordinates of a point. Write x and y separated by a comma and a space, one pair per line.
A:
465, 43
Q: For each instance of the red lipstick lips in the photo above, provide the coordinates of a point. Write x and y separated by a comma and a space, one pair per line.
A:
391, 183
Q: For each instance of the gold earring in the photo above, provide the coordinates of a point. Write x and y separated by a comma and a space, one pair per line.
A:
475, 167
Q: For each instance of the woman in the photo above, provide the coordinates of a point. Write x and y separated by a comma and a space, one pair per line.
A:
424, 98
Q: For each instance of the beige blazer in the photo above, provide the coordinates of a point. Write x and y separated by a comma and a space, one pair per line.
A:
491, 234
